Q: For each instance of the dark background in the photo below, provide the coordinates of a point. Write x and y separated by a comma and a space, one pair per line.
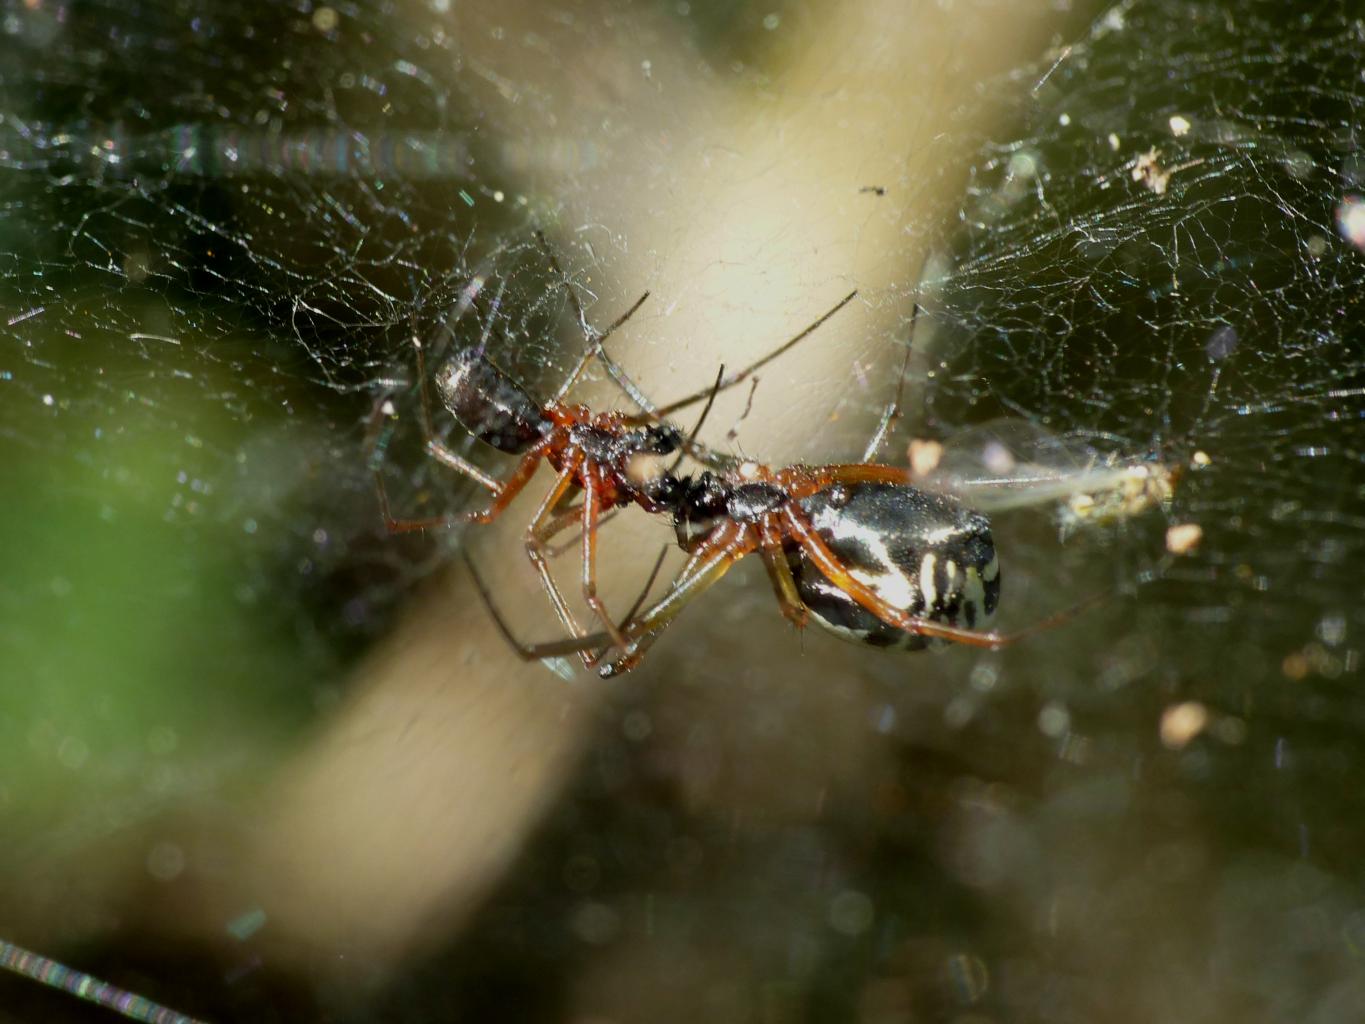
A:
192, 348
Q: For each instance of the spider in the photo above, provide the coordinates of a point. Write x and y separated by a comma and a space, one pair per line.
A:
615, 459
854, 547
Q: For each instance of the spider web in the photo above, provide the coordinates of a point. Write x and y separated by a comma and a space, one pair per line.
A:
219, 231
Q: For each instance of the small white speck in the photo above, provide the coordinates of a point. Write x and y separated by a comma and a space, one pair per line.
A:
1180, 125
1054, 720
851, 912
926, 580
1184, 538
771, 21
1064, 120
984, 676
1023, 165
924, 457
1332, 629
1149, 171
885, 718
48, 400
1299, 165
1115, 142
1181, 723
997, 458
1351, 220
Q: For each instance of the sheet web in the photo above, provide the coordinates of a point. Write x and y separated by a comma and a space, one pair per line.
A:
1161, 262
269, 261
214, 253
209, 293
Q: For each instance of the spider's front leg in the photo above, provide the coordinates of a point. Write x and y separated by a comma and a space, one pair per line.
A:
727, 545
504, 491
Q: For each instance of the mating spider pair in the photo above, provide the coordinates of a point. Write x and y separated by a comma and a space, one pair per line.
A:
854, 546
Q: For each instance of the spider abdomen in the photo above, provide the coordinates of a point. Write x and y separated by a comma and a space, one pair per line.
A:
490, 404
924, 554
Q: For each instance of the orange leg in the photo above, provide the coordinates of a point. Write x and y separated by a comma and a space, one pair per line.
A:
544, 525
731, 542
448, 458
504, 492
802, 481
780, 574
592, 509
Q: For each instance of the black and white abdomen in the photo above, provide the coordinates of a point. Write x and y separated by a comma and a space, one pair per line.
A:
922, 553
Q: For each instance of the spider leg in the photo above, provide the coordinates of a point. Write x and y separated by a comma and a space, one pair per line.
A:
802, 481
530, 652
744, 374
892, 412
653, 413
593, 336
780, 574
436, 450
569, 545
730, 543
595, 340
504, 492
592, 509
649, 584
701, 573
544, 525
689, 447
450, 460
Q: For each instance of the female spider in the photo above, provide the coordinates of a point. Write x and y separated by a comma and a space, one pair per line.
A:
613, 458
853, 546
